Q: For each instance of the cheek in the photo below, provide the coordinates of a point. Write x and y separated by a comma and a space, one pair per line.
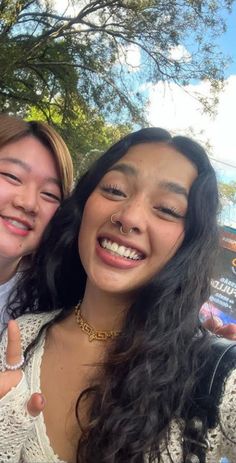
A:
51, 211
84, 248
171, 238
89, 226
48, 213
91, 217
83, 236
6, 193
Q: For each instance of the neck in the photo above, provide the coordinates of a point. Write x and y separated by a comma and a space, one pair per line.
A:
104, 311
7, 270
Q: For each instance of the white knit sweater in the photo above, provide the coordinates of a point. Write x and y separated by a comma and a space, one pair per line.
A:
24, 439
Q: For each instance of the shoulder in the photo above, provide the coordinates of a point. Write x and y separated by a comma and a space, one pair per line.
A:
227, 416
222, 390
227, 404
30, 325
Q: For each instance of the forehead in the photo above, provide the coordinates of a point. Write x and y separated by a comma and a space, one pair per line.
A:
157, 161
32, 157
24, 142
29, 149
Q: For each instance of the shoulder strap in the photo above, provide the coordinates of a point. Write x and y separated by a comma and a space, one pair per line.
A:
203, 413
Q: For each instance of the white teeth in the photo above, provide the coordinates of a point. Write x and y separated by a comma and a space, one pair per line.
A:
132, 255
127, 253
120, 250
18, 224
114, 247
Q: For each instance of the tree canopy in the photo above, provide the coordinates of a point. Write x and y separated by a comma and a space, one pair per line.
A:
71, 67
87, 134
64, 60
228, 192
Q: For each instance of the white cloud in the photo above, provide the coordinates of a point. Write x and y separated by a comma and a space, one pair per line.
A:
69, 7
179, 53
174, 108
130, 56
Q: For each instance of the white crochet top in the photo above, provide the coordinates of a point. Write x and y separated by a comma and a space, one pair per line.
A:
24, 439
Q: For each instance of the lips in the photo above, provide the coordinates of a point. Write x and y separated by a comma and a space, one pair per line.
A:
120, 250
18, 223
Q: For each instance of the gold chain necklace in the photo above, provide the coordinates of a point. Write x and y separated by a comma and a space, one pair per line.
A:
93, 335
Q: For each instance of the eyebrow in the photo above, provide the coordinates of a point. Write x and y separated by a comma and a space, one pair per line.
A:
27, 168
173, 187
124, 169
17, 161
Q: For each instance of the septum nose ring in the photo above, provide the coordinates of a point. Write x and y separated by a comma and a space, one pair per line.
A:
122, 231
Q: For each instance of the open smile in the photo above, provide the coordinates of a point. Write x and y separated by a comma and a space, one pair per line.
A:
120, 250
22, 224
16, 225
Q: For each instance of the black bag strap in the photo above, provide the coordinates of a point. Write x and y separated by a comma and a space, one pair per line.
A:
203, 413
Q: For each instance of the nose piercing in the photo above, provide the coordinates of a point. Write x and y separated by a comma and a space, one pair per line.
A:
122, 231
113, 220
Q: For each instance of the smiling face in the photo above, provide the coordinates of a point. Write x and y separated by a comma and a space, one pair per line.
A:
147, 191
29, 196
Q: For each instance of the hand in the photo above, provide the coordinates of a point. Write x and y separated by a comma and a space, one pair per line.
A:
11, 378
215, 325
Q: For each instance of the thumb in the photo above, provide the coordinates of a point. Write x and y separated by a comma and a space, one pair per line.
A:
213, 324
36, 404
228, 331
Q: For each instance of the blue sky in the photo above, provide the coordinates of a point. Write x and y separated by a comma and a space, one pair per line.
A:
228, 41
227, 44
178, 110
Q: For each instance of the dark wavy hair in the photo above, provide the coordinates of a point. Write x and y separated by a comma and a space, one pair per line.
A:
151, 369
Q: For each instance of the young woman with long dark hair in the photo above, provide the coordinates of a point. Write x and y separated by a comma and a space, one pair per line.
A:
109, 316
